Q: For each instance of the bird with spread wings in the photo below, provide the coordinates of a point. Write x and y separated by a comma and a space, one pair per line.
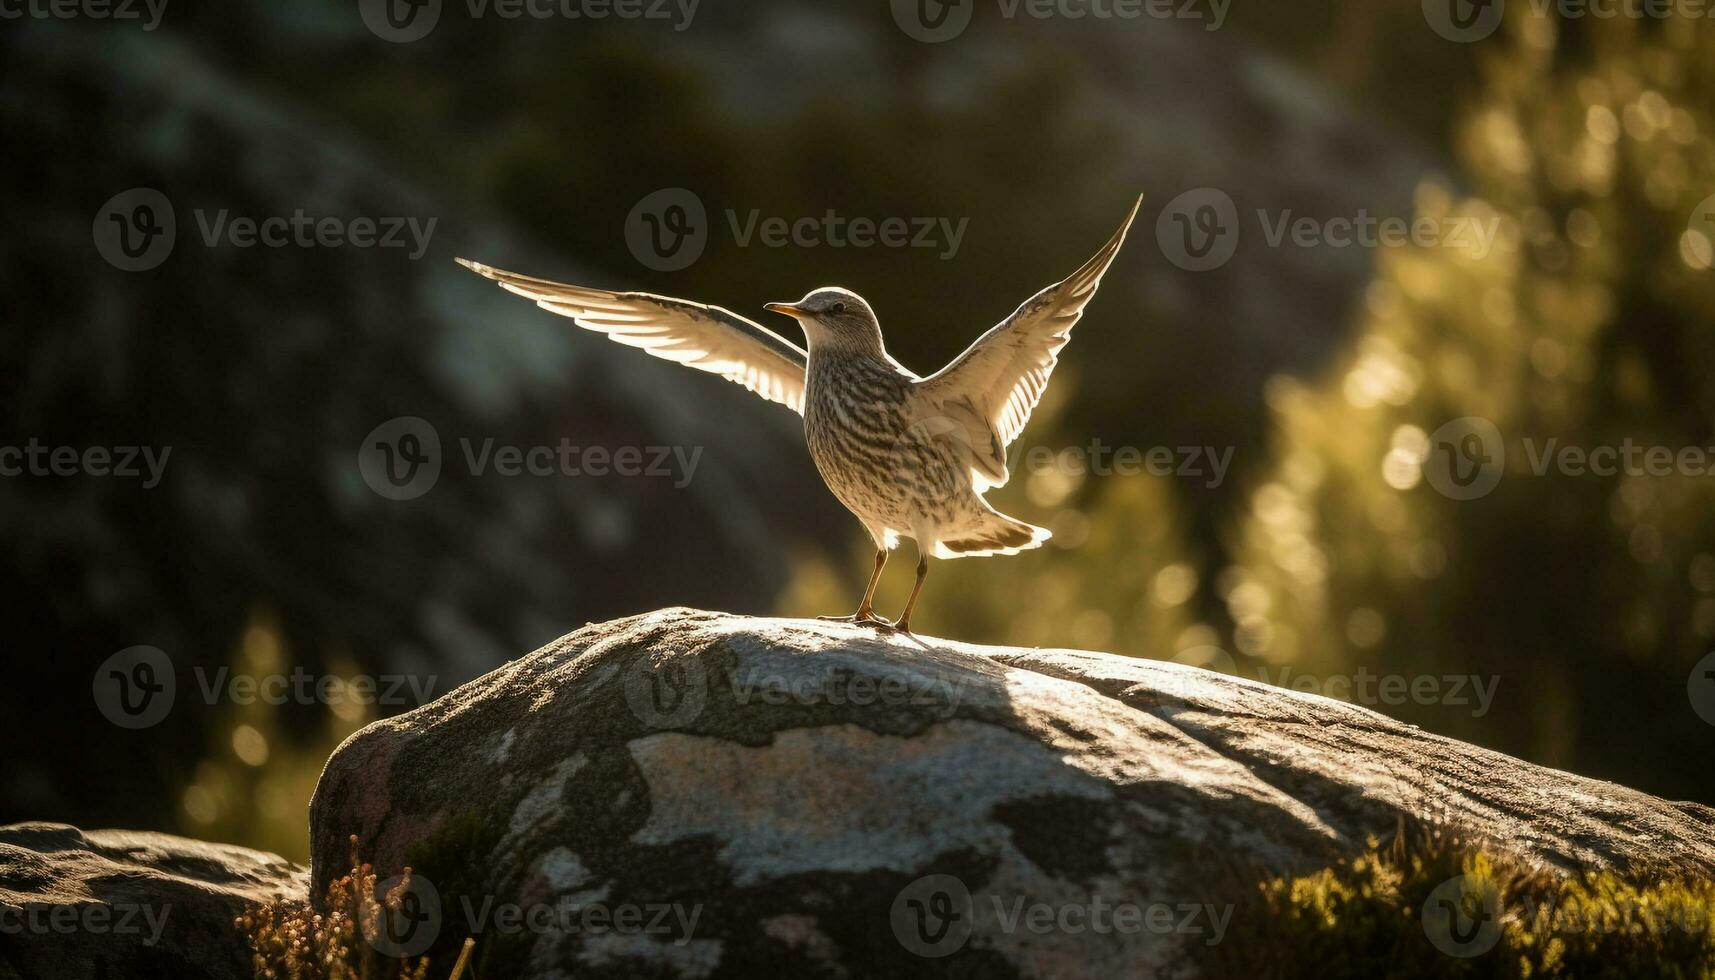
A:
909, 456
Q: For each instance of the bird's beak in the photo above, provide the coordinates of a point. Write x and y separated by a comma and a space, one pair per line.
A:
790, 309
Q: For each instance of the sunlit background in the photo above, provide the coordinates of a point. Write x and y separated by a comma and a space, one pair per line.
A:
1321, 552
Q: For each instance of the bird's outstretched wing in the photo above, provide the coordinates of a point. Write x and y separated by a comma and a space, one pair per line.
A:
995, 384
707, 338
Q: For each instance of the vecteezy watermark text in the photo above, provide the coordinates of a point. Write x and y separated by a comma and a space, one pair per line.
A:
1363, 686
136, 230
1206, 463
934, 21
1200, 230
676, 463
93, 918
936, 915
1465, 458
669, 229
567, 916
673, 694
405, 21
408, 915
138, 686
1370, 689
835, 230
304, 230
118, 462
400, 459
1468, 21
149, 12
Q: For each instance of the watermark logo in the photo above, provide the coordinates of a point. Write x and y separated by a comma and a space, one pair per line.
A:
1462, 917
933, 21
400, 21
1465, 458
408, 914
1198, 230
136, 229
147, 11
400, 459
404, 919
138, 686
669, 695
933, 916
668, 230
1463, 21
1700, 688
135, 688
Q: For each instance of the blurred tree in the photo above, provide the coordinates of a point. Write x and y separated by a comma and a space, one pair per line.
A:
1590, 144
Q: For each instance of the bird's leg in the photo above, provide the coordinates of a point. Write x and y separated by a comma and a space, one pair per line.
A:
866, 610
904, 623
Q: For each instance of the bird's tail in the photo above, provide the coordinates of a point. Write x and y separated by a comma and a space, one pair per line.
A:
992, 533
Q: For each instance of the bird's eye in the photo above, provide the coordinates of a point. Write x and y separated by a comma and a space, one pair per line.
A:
837, 309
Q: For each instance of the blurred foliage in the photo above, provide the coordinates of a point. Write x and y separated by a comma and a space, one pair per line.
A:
253, 786
1587, 323
1373, 916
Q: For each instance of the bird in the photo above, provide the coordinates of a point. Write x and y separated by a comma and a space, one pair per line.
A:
909, 456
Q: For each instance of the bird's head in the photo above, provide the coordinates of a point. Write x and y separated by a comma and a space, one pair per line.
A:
833, 316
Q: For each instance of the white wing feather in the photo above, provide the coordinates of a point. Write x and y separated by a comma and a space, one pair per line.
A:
707, 338
996, 383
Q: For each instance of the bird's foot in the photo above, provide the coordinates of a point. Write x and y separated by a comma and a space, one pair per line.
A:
864, 618
903, 627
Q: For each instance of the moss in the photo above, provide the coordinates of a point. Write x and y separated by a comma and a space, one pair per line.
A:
456, 860
1388, 913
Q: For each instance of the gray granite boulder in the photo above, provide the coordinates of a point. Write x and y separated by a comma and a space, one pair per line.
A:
693, 794
119, 904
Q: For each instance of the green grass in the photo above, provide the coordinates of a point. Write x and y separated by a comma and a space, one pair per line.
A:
1366, 917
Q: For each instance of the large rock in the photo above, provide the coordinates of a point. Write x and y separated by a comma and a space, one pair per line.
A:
786, 795
117, 904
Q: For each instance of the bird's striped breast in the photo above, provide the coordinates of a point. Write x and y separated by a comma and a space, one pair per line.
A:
888, 468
